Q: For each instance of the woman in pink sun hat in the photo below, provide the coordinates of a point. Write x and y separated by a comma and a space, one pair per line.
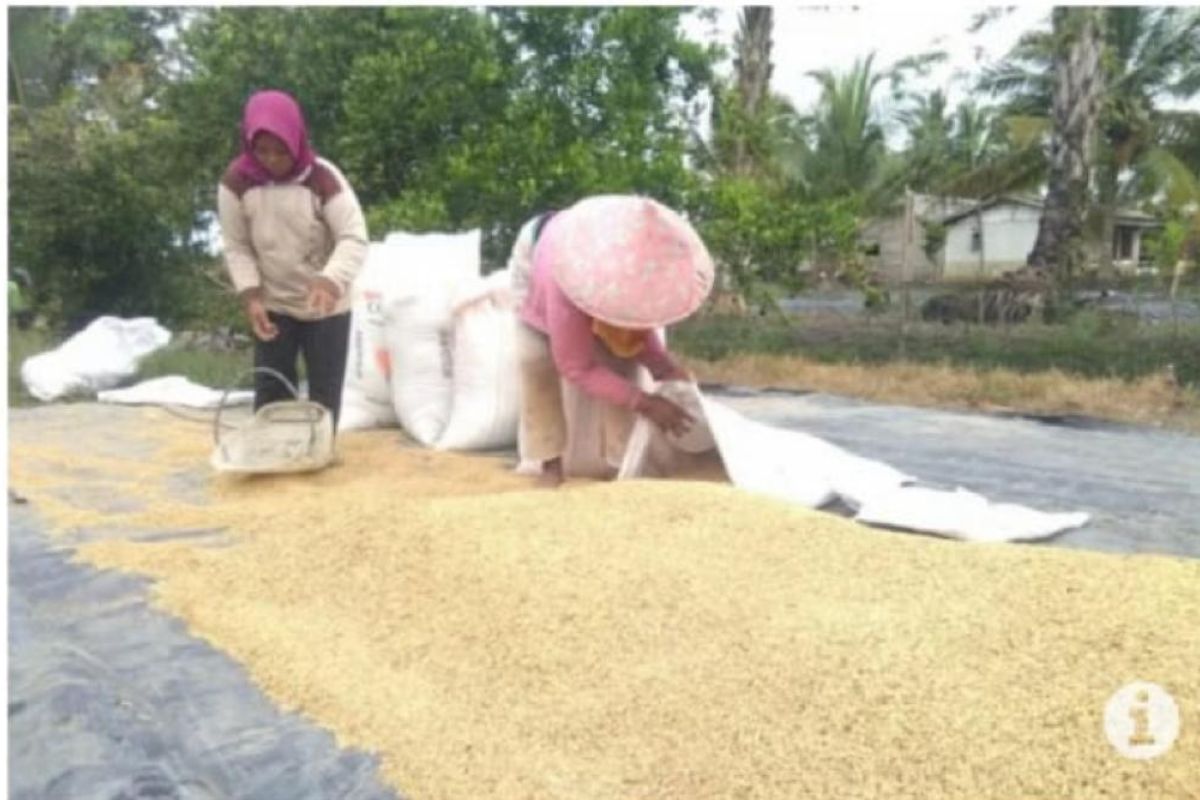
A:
606, 273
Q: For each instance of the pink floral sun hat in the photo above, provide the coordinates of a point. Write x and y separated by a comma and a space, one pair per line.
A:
630, 261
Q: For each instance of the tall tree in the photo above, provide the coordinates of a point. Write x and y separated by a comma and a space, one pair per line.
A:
99, 223
849, 138
453, 117
930, 154
1149, 54
753, 68
1077, 95
36, 72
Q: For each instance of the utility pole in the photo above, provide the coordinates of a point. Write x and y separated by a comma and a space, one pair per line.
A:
982, 258
905, 269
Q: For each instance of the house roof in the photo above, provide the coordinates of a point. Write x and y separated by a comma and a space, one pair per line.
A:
1124, 216
1000, 200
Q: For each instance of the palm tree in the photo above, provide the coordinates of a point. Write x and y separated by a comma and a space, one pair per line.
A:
848, 136
977, 136
1076, 105
1149, 53
948, 150
753, 68
929, 127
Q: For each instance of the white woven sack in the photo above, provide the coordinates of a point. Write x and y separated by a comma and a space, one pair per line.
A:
435, 268
367, 390
486, 404
100, 356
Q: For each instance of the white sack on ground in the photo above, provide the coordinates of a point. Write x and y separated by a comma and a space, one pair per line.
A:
367, 390
803, 469
174, 390
100, 356
434, 268
485, 408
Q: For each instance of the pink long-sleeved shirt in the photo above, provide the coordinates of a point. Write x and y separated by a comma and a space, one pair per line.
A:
572, 343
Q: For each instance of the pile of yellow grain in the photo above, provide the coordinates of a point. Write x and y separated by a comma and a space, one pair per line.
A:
651, 639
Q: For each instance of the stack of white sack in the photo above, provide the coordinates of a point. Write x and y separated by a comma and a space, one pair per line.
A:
433, 344
398, 367
433, 269
800, 468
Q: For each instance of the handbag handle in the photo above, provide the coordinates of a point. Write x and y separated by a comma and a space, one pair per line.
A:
252, 371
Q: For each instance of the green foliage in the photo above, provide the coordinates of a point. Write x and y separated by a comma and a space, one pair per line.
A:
415, 211
442, 117
761, 234
98, 224
98, 218
849, 137
755, 233
455, 117
123, 118
934, 238
220, 370
1148, 53
1169, 244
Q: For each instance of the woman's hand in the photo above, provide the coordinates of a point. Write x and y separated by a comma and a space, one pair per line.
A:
256, 313
668, 416
323, 295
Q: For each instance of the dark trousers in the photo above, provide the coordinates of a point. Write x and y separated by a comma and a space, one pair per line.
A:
323, 342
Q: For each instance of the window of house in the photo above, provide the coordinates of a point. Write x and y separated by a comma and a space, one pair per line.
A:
1123, 244
976, 240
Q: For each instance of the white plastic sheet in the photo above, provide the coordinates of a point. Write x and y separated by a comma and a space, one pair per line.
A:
100, 356
803, 469
174, 390
963, 515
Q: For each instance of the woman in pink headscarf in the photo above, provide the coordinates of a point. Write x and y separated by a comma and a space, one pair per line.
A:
294, 240
603, 276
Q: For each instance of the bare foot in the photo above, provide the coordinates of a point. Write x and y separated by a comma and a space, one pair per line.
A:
552, 474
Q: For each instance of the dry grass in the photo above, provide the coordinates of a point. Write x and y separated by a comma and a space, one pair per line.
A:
646, 639
1154, 400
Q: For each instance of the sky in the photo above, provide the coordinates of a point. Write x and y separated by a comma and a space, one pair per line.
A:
814, 37
833, 36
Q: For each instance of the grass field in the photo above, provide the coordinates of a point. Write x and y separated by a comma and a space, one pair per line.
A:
1090, 345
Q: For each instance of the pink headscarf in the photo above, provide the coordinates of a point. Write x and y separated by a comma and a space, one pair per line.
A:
278, 113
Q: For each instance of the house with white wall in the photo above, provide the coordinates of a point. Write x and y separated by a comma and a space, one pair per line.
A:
982, 240
997, 237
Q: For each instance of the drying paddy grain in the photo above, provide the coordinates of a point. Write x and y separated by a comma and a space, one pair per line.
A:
646, 639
